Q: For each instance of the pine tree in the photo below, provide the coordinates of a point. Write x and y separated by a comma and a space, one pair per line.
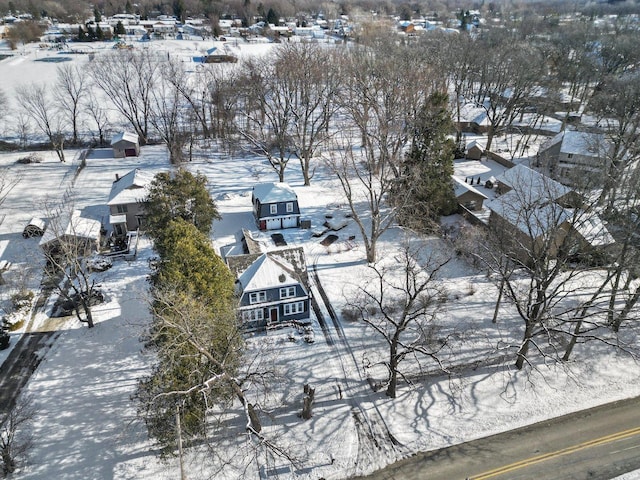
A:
425, 190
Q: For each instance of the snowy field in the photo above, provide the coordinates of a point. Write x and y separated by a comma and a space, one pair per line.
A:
86, 426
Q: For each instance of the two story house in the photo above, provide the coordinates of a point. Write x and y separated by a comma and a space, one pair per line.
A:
271, 289
125, 207
275, 206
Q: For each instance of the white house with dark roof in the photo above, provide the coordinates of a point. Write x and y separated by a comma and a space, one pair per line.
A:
275, 206
125, 207
572, 157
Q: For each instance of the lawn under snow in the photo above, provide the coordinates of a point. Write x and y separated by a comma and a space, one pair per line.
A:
86, 423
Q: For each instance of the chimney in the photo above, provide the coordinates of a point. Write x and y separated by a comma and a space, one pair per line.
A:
117, 177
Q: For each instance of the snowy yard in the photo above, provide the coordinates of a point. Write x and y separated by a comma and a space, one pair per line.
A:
86, 424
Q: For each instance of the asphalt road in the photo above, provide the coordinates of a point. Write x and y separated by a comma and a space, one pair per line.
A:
600, 443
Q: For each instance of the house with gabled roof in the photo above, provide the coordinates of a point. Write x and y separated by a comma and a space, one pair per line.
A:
126, 212
70, 230
467, 195
535, 212
125, 144
271, 287
573, 157
275, 206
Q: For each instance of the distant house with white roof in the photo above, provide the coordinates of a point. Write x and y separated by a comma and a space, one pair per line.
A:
573, 157
275, 206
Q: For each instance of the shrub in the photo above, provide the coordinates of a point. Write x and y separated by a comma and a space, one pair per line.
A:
22, 299
31, 158
350, 314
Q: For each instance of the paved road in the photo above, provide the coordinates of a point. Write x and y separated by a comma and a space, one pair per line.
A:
600, 443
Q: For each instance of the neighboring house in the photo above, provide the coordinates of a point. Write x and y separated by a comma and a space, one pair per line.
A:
275, 206
573, 157
535, 212
468, 196
474, 150
125, 144
271, 287
125, 207
69, 229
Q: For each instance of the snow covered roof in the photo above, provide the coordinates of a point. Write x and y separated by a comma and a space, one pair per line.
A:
72, 225
274, 192
533, 217
532, 183
593, 230
127, 136
461, 187
265, 273
130, 188
583, 143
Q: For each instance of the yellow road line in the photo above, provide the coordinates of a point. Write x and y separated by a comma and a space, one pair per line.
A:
565, 451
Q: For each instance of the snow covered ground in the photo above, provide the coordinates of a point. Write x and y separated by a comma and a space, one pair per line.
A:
86, 427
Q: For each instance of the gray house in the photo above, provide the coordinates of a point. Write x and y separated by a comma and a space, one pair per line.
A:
125, 208
125, 144
275, 206
271, 289
573, 157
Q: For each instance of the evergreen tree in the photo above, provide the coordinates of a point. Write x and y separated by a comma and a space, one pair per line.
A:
99, 33
425, 191
82, 36
120, 30
180, 195
273, 17
195, 337
97, 15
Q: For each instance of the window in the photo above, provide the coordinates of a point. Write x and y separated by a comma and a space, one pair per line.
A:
289, 207
287, 292
570, 155
273, 209
257, 297
293, 308
122, 208
253, 315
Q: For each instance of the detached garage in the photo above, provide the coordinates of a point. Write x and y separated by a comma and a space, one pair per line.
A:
125, 144
275, 206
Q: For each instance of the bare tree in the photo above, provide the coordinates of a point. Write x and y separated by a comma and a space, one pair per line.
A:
503, 80
534, 235
67, 245
268, 94
312, 91
15, 438
71, 84
128, 79
401, 302
168, 115
40, 107
4, 105
365, 181
98, 114
195, 335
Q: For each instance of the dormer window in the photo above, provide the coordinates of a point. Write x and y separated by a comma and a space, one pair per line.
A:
289, 207
273, 209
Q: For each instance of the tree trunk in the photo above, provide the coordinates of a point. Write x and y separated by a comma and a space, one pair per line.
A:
524, 349
393, 369
495, 311
572, 342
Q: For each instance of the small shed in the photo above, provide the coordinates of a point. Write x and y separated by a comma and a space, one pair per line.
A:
125, 144
467, 196
474, 151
